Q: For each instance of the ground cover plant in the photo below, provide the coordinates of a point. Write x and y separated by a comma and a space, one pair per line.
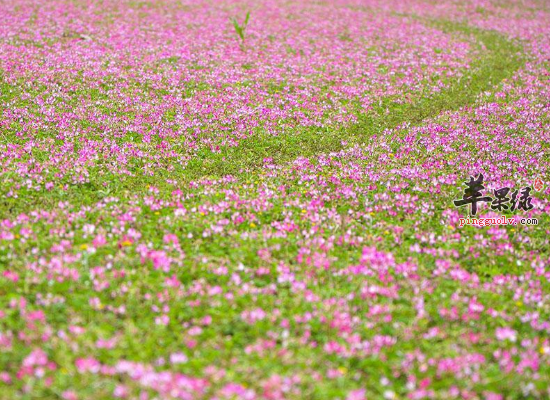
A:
255, 200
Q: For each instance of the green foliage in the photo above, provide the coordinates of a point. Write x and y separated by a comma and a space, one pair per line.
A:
241, 29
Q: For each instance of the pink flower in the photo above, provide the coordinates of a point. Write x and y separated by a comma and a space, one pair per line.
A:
162, 320
87, 365
11, 276
120, 391
160, 260
356, 395
5, 377
36, 358
99, 241
171, 238
251, 316
506, 334
233, 390
195, 331
178, 358
69, 395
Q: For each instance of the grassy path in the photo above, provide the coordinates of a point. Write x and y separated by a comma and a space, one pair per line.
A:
501, 58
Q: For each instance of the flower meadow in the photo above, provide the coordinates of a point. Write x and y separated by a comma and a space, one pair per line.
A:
254, 199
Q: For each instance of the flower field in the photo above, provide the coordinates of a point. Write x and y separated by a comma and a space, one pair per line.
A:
266, 199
